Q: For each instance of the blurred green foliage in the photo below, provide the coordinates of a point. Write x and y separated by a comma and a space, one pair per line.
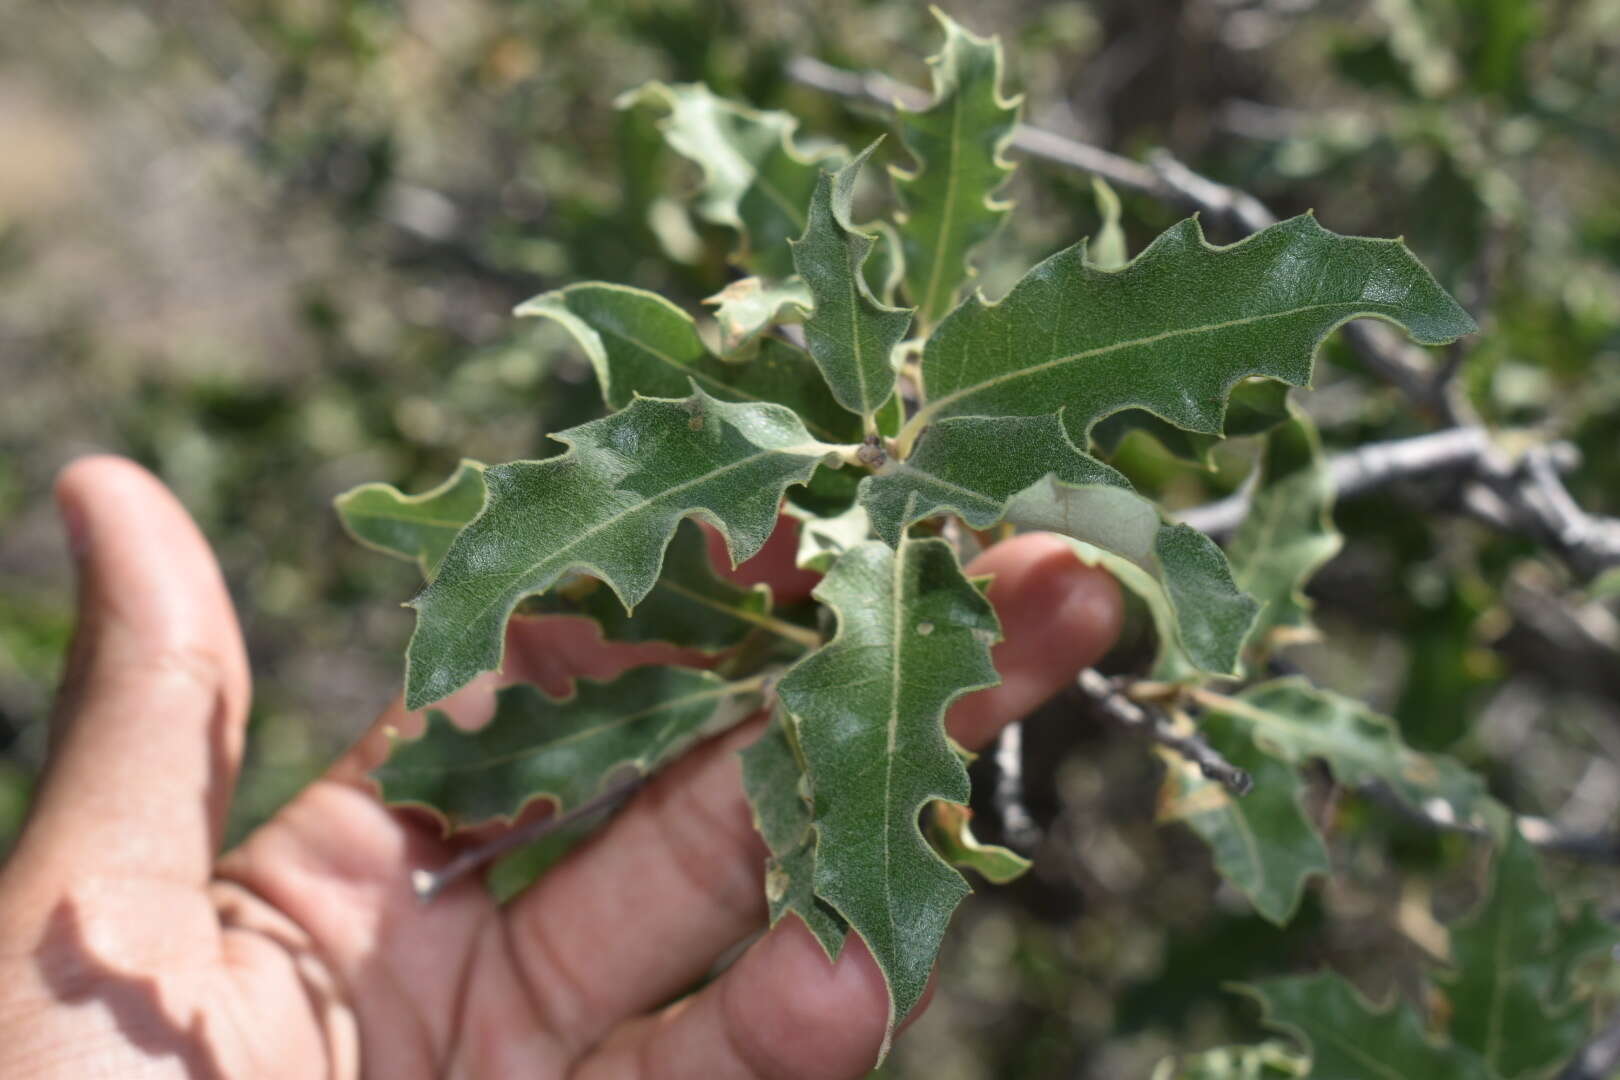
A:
269, 247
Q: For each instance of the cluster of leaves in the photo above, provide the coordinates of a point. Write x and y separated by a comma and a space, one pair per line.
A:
856, 376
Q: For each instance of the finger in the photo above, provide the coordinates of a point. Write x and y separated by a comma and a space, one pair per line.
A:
781, 1011
1057, 617
775, 564
675, 879
148, 732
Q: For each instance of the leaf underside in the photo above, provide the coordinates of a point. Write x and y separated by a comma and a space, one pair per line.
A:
913, 634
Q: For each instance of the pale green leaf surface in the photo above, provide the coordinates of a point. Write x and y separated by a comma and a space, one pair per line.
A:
1297, 721
950, 827
1508, 1000
1288, 533
823, 539
956, 145
1262, 842
749, 306
885, 271
537, 747
850, 334
1107, 250
415, 527
755, 178
641, 344
1172, 331
1350, 1040
913, 635
608, 508
690, 606
774, 781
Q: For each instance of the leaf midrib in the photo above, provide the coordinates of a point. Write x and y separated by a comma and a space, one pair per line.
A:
932, 408
470, 624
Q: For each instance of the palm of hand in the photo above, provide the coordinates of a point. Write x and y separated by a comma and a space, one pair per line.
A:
126, 950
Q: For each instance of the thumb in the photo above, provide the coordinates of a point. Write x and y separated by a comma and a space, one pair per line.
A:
148, 729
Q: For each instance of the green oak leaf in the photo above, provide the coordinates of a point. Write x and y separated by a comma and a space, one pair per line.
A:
749, 306
1107, 250
885, 271
950, 827
1025, 470
913, 635
607, 507
756, 180
1174, 329
1262, 842
1509, 1002
562, 751
690, 606
1288, 533
415, 527
1296, 722
956, 143
641, 344
849, 333
823, 539
1348, 1039
777, 790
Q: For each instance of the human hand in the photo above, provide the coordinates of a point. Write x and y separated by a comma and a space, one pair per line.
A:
127, 949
